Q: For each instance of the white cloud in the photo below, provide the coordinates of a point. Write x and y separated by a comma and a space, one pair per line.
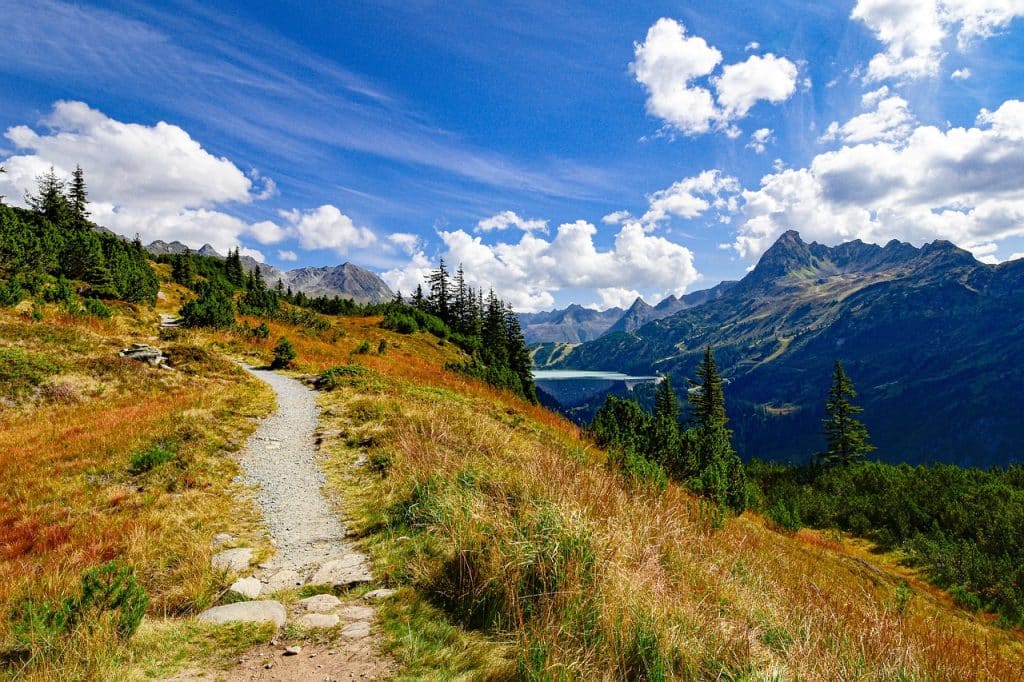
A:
616, 297
759, 140
616, 217
288, 256
1016, 256
666, 63
914, 31
961, 74
692, 197
267, 232
406, 241
768, 78
528, 272
674, 68
253, 253
327, 227
507, 219
961, 184
752, 45
891, 121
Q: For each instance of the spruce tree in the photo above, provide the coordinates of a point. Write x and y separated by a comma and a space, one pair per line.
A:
233, 270
664, 444
716, 469
78, 198
50, 201
440, 293
847, 437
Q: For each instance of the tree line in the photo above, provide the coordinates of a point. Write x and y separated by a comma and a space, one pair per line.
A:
54, 239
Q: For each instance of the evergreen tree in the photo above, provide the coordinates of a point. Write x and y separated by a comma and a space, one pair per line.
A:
78, 199
715, 469
233, 270
212, 309
460, 312
418, 301
665, 443
183, 270
440, 293
50, 201
847, 436
519, 360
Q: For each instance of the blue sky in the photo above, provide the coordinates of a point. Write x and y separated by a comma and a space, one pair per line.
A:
585, 152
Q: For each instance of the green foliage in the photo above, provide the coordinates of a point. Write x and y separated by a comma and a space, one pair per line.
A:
363, 348
151, 457
212, 308
847, 437
382, 347
342, 375
961, 526
400, 322
11, 293
21, 371
108, 596
96, 308
261, 331
284, 354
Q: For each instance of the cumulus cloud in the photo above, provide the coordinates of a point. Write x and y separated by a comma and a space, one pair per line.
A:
327, 227
674, 68
267, 232
692, 197
529, 271
768, 78
507, 219
759, 140
288, 256
914, 32
961, 74
616, 217
890, 121
752, 45
961, 184
406, 241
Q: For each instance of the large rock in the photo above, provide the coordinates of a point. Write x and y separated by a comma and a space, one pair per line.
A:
357, 613
382, 593
234, 560
247, 587
247, 611
344, 572
357, 630
319, 603
282, 580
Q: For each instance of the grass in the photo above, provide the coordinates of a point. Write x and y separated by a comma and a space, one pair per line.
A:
504, 525
131, 465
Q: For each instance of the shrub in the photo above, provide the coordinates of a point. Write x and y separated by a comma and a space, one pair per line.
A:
784, 517
11, 293
21, 371
149, 458
336, 377
284, 354
60, 292
400, 322
363, 348
382, 347
213, 308
262, 331
97, 308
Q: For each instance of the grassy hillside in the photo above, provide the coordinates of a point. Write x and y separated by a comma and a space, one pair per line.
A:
518, 549
521, 553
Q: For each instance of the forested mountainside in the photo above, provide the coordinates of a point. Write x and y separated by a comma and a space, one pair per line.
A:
932, 337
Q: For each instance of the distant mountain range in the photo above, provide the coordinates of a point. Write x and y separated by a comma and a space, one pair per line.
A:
932, 338
577, 324
346, 280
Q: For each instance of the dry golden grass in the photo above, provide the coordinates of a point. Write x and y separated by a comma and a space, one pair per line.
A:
519, 527
70, 502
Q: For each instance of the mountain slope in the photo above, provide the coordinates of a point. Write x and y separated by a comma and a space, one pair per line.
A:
346, 280
574, 324
930, 336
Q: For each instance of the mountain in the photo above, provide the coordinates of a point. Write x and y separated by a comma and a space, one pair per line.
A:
574, 324
345, 280
640, 313
931, 337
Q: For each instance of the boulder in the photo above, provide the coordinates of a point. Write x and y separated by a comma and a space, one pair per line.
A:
282, 580
235, 560
319, 603
317, 621
357, 630
246, 611
375, 595
247, 587
357, 613
349, 570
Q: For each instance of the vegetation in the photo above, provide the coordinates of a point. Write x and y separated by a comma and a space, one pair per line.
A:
284, 354
847, 437
700, 455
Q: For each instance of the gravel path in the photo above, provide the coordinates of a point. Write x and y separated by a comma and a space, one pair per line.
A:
281, 459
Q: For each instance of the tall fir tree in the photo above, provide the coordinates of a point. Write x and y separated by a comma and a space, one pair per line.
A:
664, 444
233, 270
847, 437
460, 305
716, 469
78, 199
50, 201
440, 293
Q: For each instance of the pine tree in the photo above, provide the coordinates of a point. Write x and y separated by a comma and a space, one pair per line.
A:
440, 293
847, 436
664, 443
418, 301
78, 198
233, 270
716, 469
49, 201
460, 312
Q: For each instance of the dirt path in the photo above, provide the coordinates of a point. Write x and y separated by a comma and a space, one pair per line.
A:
281, 463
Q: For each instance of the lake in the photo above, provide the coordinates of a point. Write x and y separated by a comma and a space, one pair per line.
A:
578, 374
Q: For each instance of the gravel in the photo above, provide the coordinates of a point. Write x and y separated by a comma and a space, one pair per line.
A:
282, 461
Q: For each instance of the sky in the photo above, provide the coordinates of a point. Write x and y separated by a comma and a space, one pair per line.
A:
567, 152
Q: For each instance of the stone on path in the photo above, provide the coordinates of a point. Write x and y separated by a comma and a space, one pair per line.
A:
319, 603
282, 580
235, 560
383, 593
221, 539
246, 611
317, 620
357, 613
357, 630
247, 587
344, 572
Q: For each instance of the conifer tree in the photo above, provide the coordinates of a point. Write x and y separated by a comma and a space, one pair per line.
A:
664, 445
847, 437
78, 198
440, 293
418, 301
49, 201
233, 270
716, 469
460, 312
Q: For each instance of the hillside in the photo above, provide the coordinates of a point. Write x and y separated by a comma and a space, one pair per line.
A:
462, 481
930, 336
